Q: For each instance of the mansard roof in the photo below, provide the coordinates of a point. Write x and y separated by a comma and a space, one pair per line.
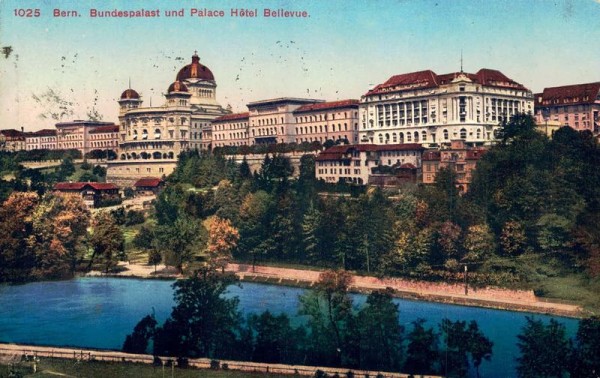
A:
327, 105
429, 79
577, 94
233, 117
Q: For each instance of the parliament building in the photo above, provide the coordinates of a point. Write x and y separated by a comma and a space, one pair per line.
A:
151, 138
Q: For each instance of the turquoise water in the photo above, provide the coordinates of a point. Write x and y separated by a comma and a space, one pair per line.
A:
100, 312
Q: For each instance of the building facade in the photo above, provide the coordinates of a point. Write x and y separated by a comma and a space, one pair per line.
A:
41, 140
577, 106
459, 157
230, 130
423, 107
272, 121
103, 138
77, 135
151, 138
355, 163
323, 121
13, 140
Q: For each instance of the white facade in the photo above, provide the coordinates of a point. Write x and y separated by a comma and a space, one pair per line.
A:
424, 107
273, 121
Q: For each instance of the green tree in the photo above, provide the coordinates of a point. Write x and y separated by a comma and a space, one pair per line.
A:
586, 361
107, 241
329, 311
462, 341
137, 342
545, 351
203, 323
180, 242
276, 341
422, 354
380, 333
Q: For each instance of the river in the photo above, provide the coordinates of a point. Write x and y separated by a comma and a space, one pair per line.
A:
98, 313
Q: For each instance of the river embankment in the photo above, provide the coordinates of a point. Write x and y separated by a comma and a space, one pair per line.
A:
487, 297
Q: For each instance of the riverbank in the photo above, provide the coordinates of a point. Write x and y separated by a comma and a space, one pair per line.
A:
489, 297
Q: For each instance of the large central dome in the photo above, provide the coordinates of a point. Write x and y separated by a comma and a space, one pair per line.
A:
195, 70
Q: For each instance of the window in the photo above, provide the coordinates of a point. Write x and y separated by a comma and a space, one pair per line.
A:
463, 133
445, 134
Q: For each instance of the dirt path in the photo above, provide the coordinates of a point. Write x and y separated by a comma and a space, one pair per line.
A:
491, 297
519, 300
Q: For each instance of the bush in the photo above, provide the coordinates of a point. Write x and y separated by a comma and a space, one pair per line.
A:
106, 202
215, 364
134, 217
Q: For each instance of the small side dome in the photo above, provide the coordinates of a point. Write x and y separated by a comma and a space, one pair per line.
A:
130, 94
177, 86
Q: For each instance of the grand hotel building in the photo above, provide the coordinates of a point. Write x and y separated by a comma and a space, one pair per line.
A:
424, 107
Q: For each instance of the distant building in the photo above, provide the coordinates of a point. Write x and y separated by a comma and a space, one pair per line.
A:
424, 107
91, 192
272, 121
41, 140
14, 140
77, 135
230, 130
577, 106
148, 186
323, 121
103, 138
459, 157
355, 163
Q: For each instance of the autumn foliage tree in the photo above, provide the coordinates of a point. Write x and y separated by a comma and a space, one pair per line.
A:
222, 239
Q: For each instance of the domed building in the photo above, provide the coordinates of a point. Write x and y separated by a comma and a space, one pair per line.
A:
151, 138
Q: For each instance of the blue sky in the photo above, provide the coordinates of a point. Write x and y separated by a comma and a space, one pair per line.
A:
339, 52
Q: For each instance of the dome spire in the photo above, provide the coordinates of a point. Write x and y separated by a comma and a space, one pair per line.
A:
195, 57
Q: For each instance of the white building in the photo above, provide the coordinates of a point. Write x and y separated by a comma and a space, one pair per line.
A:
151, 138
423, 107
355, 163
272, 121
44, 139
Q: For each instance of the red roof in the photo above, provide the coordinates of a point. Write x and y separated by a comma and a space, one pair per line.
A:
148, 182
429, 79
337, 152
82, 185
232, 117
195, 70
105, 129
130, 94
569, 95
12, 133
327, 105
431, 155
44, 132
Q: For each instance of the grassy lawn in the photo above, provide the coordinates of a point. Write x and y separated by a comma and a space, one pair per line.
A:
54, 367
573, 288
136, 256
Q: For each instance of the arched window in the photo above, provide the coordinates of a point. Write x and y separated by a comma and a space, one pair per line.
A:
423, 136
380, 138
394, 138
408, 137
416, 136
445, 134
401, 135
478, 133
463, 133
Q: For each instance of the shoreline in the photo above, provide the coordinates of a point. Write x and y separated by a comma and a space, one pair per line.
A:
489, 297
